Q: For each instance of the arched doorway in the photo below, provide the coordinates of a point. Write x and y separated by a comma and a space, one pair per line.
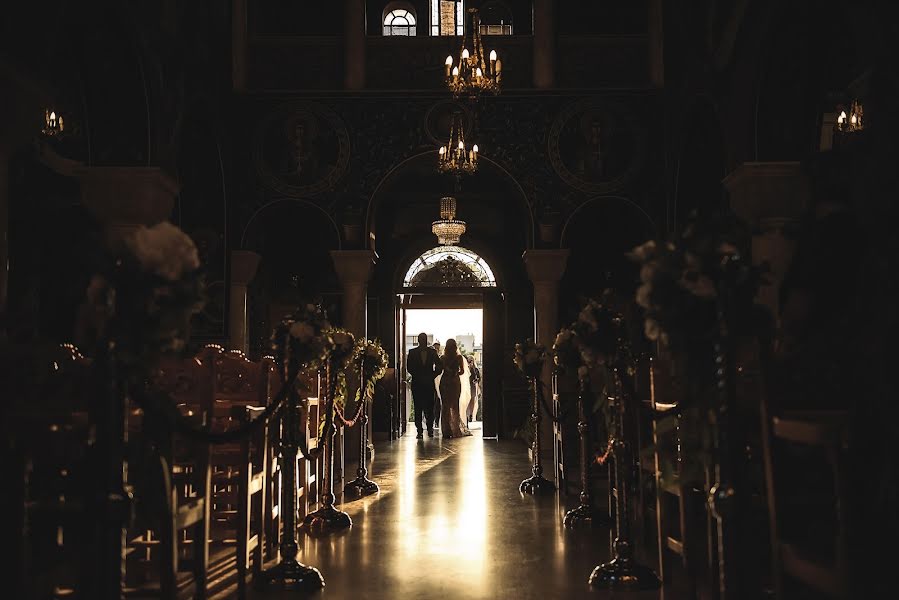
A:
500, 229
452, 292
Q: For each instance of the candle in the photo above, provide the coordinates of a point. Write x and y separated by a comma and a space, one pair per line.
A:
477, 73
449, 65
465, 54
455, 73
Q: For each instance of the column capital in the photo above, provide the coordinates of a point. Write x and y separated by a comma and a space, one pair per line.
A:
766, 190
545, 266
244, 264
353, 266
127, 195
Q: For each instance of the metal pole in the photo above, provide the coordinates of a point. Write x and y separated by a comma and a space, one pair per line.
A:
536, 483
584, 516
289, 573
327, 519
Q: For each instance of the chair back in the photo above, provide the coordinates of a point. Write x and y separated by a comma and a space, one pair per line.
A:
805, 456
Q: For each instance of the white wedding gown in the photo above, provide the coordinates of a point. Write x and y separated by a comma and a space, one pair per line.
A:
464, 394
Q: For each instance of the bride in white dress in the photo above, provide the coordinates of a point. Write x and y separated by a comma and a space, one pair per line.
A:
454, 390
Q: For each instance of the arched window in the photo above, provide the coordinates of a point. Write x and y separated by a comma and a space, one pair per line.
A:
496, 19
447, 17
399, 21
449, 266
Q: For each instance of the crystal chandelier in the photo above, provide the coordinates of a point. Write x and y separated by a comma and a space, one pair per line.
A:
53, 125
455, 157
474, 73
448, 230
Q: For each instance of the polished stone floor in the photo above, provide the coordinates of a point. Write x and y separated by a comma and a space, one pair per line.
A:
450, 523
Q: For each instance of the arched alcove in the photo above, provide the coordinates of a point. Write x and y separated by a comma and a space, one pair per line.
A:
599, 233
294, 239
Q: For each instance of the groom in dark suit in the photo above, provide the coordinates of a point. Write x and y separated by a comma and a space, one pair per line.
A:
423, 365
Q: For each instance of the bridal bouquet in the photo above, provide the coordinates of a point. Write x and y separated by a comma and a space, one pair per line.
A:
303, 338
529, 358
146, 299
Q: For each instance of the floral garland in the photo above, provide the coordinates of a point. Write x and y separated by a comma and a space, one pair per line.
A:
372, 360
146, 300
529, 358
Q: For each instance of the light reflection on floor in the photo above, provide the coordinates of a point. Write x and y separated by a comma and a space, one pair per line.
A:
450, 523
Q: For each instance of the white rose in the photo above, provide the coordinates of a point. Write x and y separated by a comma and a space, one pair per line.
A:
643, 295
164, 250
651, 329
644, 251
302, 331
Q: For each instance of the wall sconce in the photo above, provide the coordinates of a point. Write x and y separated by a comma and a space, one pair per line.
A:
53, 124
854, 121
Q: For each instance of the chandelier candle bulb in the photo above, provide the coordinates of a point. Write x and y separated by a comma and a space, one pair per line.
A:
465, 54
449, 65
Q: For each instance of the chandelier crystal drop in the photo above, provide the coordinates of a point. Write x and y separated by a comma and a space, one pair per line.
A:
448, 229
455, 157
476, 71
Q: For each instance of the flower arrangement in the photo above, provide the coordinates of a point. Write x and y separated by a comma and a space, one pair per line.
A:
145, 300
302, 338
598, 329
688, 284
371, 359
340, 345
529, 358
567, 350
681, 279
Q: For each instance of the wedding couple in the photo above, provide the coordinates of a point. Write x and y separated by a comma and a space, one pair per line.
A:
447, 376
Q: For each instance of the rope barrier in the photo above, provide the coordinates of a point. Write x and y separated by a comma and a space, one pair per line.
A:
165, 405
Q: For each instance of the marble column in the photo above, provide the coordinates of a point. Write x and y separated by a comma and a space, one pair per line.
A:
545, 269
123, 198
544, 44
244, 264
771, 197
354, 44
354, 268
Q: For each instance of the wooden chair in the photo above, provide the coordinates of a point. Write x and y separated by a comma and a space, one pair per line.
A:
182, 522
680, 504
797, 556
241, 471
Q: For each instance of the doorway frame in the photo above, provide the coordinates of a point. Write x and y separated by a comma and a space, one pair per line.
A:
436, 298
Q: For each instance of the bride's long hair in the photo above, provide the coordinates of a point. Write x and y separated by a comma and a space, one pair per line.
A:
451, 354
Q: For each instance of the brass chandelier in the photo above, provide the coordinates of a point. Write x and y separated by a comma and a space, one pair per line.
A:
448, 229
455, 157
474, 73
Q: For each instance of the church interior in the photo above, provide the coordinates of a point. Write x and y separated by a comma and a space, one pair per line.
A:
224, 224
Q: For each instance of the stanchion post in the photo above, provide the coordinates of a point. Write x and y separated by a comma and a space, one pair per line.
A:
328, 520
362, 485
536, 483
289, 572
623, 572
584, 515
